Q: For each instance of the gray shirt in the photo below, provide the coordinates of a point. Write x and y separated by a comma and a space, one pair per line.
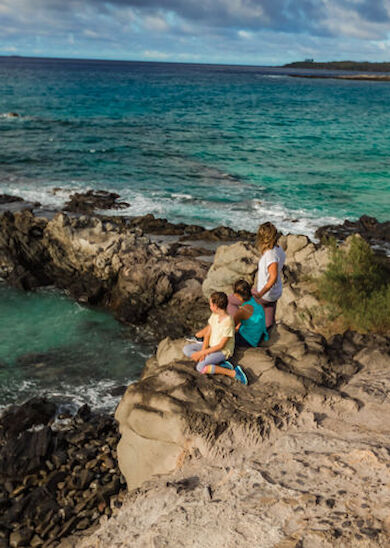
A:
274, 255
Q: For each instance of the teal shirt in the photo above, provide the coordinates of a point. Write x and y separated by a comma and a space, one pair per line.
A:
254, 328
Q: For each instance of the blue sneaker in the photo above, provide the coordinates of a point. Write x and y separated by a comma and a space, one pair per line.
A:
194, 339
226, 365
240, 375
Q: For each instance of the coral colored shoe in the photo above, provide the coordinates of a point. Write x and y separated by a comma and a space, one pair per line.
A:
240, 375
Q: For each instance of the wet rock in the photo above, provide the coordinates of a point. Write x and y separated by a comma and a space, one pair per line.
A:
26, 453
18, 418
88, 202
7, 199
21, 537
369, 228
118, 390
59, 494
36, 541
84, 413
54, 479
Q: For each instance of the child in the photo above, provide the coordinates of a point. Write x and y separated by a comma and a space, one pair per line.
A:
218, 342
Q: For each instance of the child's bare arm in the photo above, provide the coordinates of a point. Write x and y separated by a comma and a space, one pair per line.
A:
202, 332
216, 347
206, 337
201, 354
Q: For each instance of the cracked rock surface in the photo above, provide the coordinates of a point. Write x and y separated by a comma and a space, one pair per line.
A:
300, 457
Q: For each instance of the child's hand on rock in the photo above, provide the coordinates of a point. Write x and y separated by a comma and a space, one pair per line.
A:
199, 356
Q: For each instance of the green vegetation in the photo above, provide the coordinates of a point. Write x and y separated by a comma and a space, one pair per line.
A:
356, 286
365, 66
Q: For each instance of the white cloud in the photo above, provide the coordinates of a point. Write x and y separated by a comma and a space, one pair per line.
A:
153, 54
245, 34
155, 23
345, 21
91, 33
9, 49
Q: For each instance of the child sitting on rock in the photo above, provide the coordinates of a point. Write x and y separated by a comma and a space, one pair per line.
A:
218, 342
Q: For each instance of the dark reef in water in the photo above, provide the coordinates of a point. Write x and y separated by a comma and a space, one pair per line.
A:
88, 202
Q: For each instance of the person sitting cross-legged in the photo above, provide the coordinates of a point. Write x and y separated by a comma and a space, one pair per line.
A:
218, 342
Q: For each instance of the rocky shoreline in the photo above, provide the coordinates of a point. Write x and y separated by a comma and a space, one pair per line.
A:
155, 275
56, 477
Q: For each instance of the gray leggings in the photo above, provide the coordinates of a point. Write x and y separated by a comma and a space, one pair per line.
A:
212, 359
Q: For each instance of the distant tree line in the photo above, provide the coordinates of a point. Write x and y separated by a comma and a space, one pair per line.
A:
341, 65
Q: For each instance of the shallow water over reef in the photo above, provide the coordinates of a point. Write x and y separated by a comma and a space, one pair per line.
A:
52, 345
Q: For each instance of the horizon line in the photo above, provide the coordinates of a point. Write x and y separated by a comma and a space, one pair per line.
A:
95, 59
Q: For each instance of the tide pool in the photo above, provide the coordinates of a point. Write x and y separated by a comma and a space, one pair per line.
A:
51, 345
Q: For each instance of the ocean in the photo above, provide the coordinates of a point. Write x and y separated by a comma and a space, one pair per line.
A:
196, 143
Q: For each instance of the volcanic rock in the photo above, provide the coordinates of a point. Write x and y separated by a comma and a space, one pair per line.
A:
87, 202
16, 419
369, 228
299, 455
8, 199
103, 263
46, 489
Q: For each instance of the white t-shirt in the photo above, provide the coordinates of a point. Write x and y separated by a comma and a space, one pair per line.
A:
274, 255
220, 330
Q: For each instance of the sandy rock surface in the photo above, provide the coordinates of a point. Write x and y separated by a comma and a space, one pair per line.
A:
298, 458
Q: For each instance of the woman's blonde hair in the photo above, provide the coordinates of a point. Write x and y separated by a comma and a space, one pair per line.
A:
266, 237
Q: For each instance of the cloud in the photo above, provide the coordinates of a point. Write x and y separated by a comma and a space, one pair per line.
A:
9, 49
245, 34
155, 23
252, 31
152, 54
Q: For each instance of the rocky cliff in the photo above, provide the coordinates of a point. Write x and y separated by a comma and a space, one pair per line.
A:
297, 458
105, 262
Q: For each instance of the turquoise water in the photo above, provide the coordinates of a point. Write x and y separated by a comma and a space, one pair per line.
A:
210, 145
198, 143
52, 345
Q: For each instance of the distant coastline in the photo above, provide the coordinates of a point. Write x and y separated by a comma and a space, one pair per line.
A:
364, 66
364, 77
308, 64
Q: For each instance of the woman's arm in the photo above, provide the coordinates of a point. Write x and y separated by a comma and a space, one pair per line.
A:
243, 313
273, 276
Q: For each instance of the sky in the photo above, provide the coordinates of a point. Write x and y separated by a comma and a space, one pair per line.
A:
250, 32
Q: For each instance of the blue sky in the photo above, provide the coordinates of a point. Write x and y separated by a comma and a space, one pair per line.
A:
258, 32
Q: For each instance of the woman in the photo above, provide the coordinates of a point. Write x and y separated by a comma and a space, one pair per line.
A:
269, 282
249, 318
